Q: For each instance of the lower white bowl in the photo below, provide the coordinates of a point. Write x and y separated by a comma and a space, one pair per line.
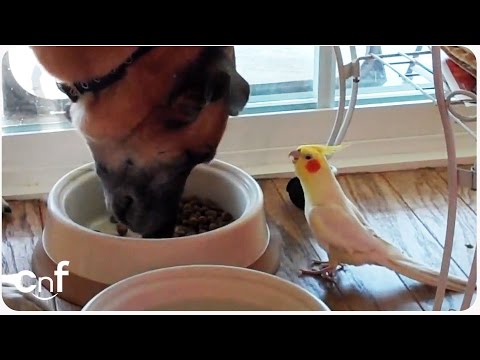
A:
205, 288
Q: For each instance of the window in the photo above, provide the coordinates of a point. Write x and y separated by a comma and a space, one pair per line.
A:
31, 100
294, 90
288, 77
282, 78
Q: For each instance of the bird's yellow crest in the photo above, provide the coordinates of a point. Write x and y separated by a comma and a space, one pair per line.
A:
311, 158
324, 150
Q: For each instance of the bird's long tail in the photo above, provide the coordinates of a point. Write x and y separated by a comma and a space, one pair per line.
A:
419, 272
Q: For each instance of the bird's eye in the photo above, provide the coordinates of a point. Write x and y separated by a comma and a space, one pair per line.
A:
308, 157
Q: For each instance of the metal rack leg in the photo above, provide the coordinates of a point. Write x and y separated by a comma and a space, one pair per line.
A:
342, 121
340, 118
472, 282
452, 177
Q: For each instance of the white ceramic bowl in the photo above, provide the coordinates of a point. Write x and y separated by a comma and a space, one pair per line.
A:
76, 206
205, 288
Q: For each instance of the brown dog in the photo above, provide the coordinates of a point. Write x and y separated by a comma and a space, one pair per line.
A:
149, 116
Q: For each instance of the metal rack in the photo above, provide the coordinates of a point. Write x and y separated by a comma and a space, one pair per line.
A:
444, 100
456, 177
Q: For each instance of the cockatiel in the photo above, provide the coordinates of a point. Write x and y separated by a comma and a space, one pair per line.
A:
340, 228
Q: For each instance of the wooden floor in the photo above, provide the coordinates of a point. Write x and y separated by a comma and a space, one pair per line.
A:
408, 208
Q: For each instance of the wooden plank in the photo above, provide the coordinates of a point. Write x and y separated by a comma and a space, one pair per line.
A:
61, 305
425, 192
296, 252
385, 209
21, 230
363, 288
43, 213
468, 195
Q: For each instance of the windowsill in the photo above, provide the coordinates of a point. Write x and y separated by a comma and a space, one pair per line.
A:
382, 138
466, 155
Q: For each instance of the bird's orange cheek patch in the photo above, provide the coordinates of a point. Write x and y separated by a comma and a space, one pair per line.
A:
313, 166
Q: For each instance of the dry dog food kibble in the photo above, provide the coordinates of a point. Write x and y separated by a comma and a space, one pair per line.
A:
195, 216
122, 229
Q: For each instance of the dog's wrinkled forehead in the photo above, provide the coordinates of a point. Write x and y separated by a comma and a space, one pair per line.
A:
167, 106
177, 84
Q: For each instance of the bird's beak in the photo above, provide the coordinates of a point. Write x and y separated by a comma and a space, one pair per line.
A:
295, 154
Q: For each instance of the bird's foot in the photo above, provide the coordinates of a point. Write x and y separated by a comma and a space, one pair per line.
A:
326, 263
327, 272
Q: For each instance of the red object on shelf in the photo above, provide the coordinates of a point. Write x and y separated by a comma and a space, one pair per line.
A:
464, 80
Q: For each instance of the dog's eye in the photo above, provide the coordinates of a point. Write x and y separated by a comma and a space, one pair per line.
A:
308, 157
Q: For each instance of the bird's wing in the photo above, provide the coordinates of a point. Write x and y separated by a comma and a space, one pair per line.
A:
361, 218
337, 227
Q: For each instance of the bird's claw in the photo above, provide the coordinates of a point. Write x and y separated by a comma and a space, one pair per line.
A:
325, 264
326, 273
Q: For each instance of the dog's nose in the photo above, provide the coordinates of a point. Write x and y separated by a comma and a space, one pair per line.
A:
166, 231
121, 205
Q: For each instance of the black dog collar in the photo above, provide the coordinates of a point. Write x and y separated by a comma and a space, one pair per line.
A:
76, 89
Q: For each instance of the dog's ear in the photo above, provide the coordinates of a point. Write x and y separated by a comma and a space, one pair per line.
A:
207, 82
192, 93
238, 90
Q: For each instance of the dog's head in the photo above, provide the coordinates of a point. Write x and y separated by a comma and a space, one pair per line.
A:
149, 130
